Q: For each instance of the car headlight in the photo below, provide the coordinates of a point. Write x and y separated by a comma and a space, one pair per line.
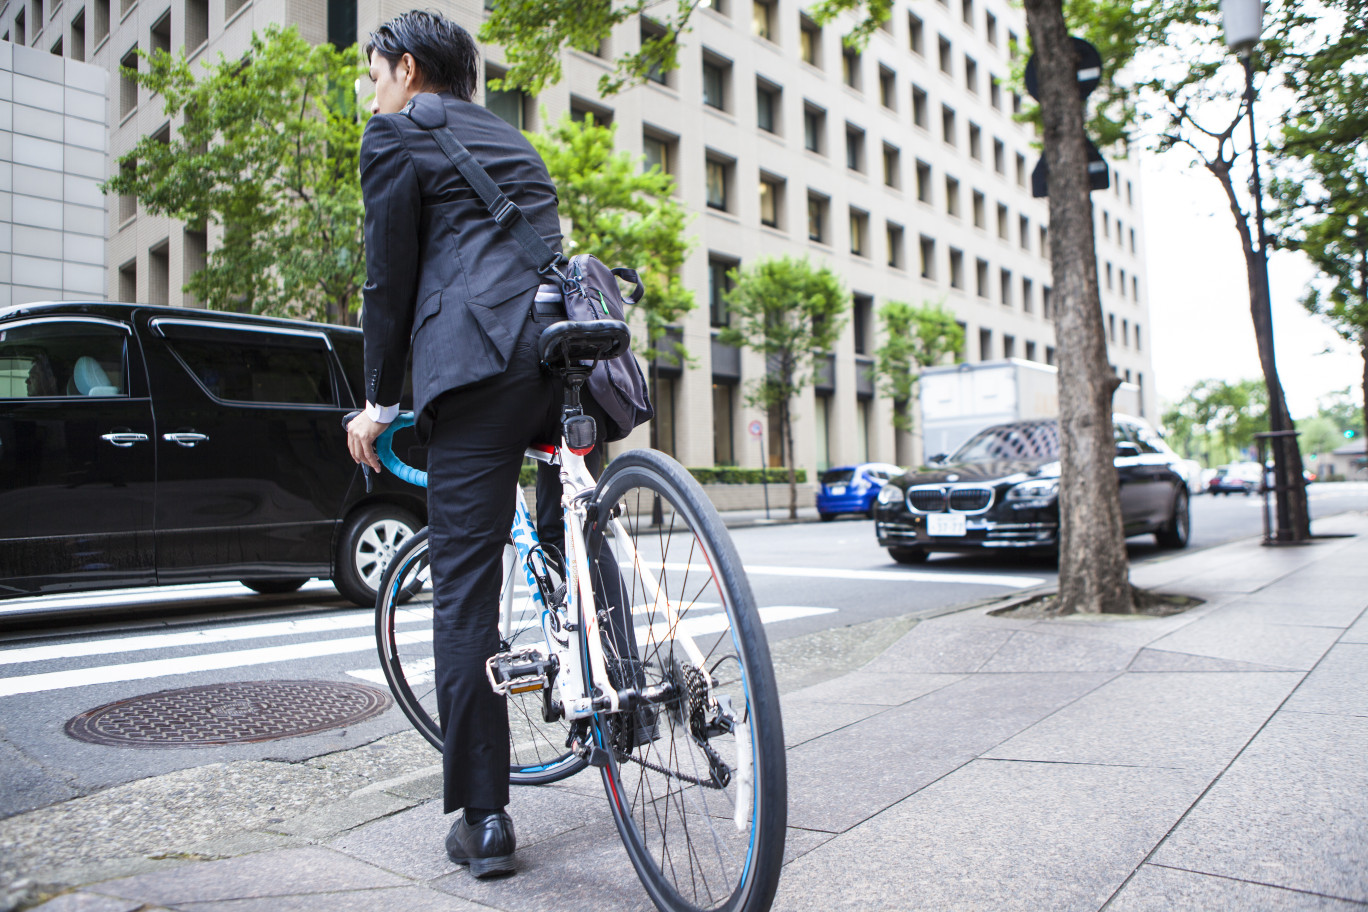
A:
1033, 494
890, 494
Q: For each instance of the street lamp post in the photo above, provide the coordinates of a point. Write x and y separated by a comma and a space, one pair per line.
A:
1242, 21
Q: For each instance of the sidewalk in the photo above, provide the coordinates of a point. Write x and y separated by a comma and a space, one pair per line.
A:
1211, 760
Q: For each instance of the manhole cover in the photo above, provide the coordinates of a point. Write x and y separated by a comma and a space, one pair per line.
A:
235, 713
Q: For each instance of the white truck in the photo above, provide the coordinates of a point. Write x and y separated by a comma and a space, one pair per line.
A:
959, 400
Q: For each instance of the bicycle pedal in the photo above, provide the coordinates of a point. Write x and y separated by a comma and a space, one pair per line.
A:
526, 671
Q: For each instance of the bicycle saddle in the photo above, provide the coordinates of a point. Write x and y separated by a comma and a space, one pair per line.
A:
569, 341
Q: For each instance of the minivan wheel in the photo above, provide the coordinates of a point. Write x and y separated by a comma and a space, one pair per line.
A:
274, 586
908, 555
372, 537
1174, 533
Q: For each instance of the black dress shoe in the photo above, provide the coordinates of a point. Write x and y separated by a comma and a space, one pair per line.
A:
486, 846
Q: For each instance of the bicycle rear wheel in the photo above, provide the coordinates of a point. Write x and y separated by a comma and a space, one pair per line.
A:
697, 781
403, 632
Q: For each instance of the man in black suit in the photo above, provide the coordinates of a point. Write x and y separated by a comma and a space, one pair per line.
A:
448, 285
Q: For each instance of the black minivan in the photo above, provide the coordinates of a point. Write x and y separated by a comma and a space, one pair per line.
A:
154, 445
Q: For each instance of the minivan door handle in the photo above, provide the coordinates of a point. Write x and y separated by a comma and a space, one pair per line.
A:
123, 438
186, 438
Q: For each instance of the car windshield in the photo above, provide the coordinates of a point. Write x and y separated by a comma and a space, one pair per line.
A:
1011, 441
837, 476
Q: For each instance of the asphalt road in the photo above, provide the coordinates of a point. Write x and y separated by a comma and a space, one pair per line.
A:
178, 637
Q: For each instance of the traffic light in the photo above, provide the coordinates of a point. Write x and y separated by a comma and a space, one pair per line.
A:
1350, 433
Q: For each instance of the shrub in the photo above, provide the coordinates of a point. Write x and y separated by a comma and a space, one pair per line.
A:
738, 475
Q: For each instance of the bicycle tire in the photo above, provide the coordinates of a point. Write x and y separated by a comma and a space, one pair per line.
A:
669, 809
403, 631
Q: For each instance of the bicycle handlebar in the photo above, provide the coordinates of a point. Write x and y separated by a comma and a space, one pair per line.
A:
384, 448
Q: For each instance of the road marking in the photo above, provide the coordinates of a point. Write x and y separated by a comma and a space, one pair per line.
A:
142, 595
902, 576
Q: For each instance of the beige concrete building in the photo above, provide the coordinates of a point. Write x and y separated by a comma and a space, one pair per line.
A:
900, 167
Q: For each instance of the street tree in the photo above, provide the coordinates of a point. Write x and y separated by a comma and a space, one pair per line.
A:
1322, 199
266, 148
624, 216
1219, 418
914, 338
792, 313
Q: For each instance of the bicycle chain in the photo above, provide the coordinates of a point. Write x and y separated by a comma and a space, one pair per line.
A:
714, 761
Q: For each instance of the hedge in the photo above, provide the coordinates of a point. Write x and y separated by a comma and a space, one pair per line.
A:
706, 475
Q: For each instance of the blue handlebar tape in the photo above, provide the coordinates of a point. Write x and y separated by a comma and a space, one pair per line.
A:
384, 448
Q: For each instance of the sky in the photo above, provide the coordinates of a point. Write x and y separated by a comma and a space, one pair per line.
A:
1199, 298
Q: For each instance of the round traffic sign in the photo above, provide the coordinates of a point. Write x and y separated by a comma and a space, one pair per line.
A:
756, 428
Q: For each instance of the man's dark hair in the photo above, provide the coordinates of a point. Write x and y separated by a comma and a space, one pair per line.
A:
445, 53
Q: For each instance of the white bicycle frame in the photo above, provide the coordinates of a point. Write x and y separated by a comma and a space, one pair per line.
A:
572, 682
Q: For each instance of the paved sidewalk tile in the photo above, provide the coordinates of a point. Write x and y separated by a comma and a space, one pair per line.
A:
882, 688
398, 899
1159, 889
806, 720
1038, 650
1291, 811
1232, 634
842, 779
288, 872
1191, 721
997, 835
1338, 685
941, 646
1289, 605
1162, 660
83, 901
1357, 633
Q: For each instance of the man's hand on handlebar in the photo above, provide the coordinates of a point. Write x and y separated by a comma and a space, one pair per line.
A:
361, 434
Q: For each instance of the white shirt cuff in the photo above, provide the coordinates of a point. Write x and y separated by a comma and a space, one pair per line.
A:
382, 414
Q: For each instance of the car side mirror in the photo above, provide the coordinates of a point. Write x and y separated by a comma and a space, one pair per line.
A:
938, 458
1125, 450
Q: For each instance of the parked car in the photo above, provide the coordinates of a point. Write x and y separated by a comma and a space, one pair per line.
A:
155, 445
852, 489
1000, 491
1236, 478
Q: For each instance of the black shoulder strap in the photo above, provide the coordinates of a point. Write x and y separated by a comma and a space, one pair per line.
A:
505, 212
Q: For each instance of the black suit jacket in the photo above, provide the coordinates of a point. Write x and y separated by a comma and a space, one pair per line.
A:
442, 278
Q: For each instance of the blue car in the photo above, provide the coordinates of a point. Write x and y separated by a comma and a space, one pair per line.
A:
852, 489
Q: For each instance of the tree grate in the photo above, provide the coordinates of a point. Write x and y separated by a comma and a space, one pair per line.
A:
234, 713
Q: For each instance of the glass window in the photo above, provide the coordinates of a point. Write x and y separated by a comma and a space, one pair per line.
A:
719, 283
249, 366
810, 41
767, 108
656, 153
919, 107
762, 20
63, 358
717, 184
509, 104
814, 124
914, 33
817, 207
714, 84
771, 193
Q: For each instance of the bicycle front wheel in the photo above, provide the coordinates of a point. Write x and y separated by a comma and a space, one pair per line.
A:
696, 778
403, 632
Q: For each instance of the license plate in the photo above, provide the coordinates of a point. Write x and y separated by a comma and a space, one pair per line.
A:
945, 524
837, 490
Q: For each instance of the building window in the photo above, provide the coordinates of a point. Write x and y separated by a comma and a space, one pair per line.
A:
994, 92
956, 268
1005, 286
919, 106
967, 12
975, 142
817, 217
927, 249
1044, 242
658, 152
717, 180
971, 74
1049, 355
1110, 281
582, 110
128, 282
1111, 328
762, 19
1138, 346
981, 277
893, 234
724, 420
999, 156
1030, 351
992, 29
771, 200
1002, 220
980, 215
767, 106
952, 200
21, 38
1016, 102
892, 166
814, 129
923, 181
1132, 240
1027, 297
810, 41
128, 203
855, 138
948, 124
850, 68
1020, 170
128, 85
1135, 289
946, 52
1009, 346
1046, 305
509, 104
160, 36
196, 23
861, 314
1125, 332
859, 232
914, 33
1106, 224
888, 88
719, 283
650, 32
985, 345
1024, 231
716, 73
1013, 45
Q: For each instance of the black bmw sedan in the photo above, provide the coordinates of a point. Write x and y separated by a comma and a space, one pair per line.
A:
1000, 491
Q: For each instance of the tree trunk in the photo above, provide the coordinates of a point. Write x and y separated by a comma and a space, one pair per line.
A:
1093, 567
786, 425
1363, 351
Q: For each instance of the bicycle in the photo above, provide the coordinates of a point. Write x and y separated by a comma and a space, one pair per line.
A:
639, 652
